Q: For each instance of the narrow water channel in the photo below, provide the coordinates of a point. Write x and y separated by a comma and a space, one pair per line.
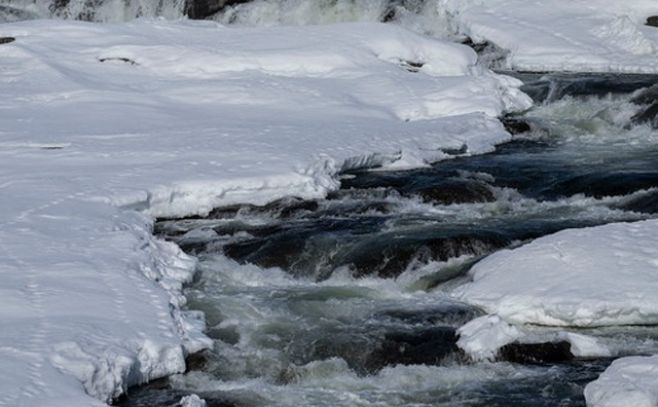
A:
346, 301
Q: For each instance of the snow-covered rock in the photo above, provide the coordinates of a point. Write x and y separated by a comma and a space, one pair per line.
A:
563, 35
631, 381
605, 275
103, 127
482, 338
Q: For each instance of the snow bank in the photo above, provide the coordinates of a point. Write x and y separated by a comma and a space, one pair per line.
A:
564, 35
104, 126
631, 381
606, 275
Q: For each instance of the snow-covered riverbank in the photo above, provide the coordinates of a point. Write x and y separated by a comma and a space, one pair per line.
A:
173, 118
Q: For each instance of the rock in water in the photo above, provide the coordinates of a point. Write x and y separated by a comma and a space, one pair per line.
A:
652, 21
7, 40
549, 352
427, 347
200, 9
648, 115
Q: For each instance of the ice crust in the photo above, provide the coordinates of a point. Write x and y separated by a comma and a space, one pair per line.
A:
103, 127
559, 35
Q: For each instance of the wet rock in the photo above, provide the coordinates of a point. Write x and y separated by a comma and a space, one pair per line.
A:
425, 347
200, 9
646, 96
536, 353
388, 256
6, 40
515, 125
602, 184
455, 191
652, 21
543, 88
478, 47
196, 361
644, 204
280, 209
446, 313
648, 115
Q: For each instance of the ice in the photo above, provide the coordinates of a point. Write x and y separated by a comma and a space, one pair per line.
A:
631, 381
103, 127
558, 35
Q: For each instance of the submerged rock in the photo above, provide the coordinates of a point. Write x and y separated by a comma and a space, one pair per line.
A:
646, 96
425, 347
652, 21
454, 191
545, 87
548, 352
648, 115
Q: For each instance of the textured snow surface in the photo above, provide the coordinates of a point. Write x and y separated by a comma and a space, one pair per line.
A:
631, 381
606, 275
564, 35
104, 126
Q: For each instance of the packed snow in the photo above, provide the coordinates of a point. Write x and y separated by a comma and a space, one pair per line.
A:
631, 381
104, 127
559, 35
598, 276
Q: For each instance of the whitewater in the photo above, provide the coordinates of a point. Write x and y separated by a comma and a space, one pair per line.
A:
139, 113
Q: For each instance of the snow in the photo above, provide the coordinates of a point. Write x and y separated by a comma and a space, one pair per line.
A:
561, 35
483, 337
91, 151
192, 401
597, 276
630, 381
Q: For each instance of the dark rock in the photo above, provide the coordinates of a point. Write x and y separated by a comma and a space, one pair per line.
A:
446, 313
412, 66
125, 60
515, 125
457, 191
196, 361
644, 204
646, 96
389, 256
427, 347
478, 47
200, 9
455, 151
652, 21
549, 87
280, 209
537, 353
648, 115
6, 40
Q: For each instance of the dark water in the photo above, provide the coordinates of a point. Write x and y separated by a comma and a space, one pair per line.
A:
345, 301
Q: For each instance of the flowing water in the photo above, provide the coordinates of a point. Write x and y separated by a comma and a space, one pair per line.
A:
346, 301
